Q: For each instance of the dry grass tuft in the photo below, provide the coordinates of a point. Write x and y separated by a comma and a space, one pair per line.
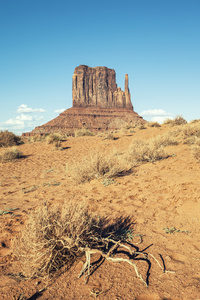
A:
147, 151
8, 139
97, 165
110, 136
83, 132
187, 134
55, 139
153, 124
142, 126
36, 138
179, 120
164, 140
196, 152
10, 154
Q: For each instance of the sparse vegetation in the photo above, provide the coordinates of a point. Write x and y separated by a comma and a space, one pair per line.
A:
10, 154
98, 165
179, 120
145, 151
36, 138
110, 136
153, 124
141, 126
164, 140
196, 152
54, 237
9, 139
83, 132
55, 139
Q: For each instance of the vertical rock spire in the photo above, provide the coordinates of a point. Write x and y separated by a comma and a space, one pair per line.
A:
127, 94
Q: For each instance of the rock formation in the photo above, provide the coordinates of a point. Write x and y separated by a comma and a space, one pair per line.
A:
96, 87
98, 104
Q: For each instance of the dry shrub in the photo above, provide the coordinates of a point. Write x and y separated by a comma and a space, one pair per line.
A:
164, 140
195, 121
187, 134
10, 154
8, 139
55, 236
145, 151
153, 124
52, 237
55, 139
141, 126
83, 132
97, 165
110, 136
196, 152
36, 138
179, 120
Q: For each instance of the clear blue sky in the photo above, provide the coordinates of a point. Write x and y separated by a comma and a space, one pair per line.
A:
157, 42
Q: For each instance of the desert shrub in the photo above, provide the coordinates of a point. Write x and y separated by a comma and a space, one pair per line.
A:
195, 121
8, 139
191, 130
187, 134
164, 140
97, 165
196, 152
83, 132
52, 237
141, 126
10, 154
145, 151
55, 236
110, 136
179, 120
36, 138
153, 124
55, 139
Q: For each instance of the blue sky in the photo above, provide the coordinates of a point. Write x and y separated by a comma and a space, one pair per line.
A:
157, 42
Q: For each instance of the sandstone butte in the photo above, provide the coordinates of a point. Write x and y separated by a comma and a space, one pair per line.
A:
98, 104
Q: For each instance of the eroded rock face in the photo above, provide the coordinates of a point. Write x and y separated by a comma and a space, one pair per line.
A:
96, 87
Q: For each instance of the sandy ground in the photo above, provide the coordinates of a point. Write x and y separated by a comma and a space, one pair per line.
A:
164, 194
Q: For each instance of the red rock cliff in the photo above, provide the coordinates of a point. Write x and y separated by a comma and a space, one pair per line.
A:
96, 87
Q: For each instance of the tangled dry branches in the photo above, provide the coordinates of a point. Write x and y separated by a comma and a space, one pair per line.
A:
54, 237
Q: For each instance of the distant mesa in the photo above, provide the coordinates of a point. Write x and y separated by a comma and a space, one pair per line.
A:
98, 104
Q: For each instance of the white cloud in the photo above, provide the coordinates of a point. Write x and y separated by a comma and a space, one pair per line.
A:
160, 119
154, 112
58, 111
23, 117
156, 115
14, 124
24, 120
23, 108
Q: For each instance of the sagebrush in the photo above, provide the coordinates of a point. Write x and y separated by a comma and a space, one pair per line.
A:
97, 165
10, 154
56, 236
8, 139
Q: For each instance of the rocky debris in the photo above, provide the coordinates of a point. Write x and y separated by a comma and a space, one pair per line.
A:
98, 104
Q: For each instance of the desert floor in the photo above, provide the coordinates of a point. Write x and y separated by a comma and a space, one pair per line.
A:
159, 195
